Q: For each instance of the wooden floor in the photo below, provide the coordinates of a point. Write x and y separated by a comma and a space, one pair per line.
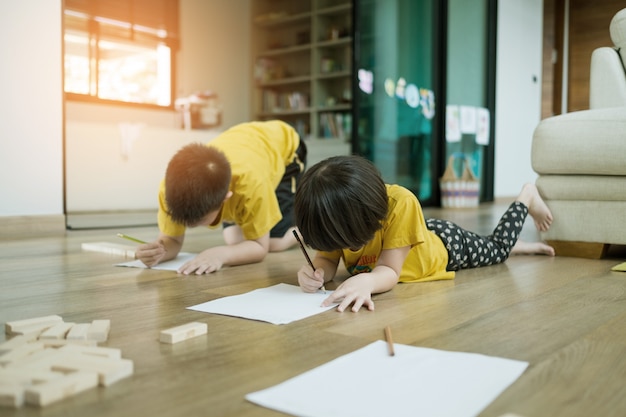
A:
565, 316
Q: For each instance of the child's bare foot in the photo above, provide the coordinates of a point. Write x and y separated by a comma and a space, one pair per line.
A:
537, 208
532, 248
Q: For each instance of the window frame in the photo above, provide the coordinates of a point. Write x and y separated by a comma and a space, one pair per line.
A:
140, 22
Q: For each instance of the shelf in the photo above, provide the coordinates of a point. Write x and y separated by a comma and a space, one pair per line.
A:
336, 107
285, 51
286, 81
302, 50
340, 9
281, 19
334, 74
279, 113
331, 43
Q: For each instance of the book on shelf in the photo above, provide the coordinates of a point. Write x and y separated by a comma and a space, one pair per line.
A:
274, 101
335, 125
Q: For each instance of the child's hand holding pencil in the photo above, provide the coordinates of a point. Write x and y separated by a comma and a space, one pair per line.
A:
148, 253
313, 281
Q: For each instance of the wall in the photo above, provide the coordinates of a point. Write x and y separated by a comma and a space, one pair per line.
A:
518, 92
119, 167
31, 109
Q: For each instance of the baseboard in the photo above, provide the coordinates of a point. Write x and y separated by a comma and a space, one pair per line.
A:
16, 226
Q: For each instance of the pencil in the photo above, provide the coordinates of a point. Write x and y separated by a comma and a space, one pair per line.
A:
389, 341
306, 255
123, 236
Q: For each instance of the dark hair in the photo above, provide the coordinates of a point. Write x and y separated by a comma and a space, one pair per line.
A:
340, 203
196, 182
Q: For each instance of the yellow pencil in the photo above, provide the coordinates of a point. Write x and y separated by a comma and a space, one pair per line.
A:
123, 236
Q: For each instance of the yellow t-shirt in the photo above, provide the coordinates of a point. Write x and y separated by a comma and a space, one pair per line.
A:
404, 226
258, 153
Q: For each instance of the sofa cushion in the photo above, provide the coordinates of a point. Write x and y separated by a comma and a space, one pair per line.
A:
582, 187
588, 142
587, 221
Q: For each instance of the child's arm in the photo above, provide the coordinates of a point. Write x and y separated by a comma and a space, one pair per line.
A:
358, 290
325, 270
163, 249
241, 253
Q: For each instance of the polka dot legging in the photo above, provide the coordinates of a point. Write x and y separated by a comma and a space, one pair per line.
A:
469, 250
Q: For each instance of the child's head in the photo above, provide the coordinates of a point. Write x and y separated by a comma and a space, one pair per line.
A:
196, 183
340, 203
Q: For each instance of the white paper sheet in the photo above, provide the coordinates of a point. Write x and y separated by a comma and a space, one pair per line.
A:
278, 304
414, 382
172, 265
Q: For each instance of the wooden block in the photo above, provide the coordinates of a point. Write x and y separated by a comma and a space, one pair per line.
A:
41, 360
183, 332
24, 376
20, 352
30, 325
58, 331
54, 343
78, 331
99, 330
126, 251
103, 352
11, 395
16, 341
109, 370
56, 390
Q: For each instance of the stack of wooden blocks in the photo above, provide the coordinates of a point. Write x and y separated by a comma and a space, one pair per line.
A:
47, 360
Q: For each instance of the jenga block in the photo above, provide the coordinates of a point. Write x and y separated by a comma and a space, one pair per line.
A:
27, 376
41, 360
109, 370
78, 331
58, 331
99, 330
127, 251
11, 395
71, 384
103, 352
54, 343
20, 352
183, 332
29, 325
16, 341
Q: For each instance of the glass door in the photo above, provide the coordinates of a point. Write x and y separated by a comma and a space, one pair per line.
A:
394, 90
412, 58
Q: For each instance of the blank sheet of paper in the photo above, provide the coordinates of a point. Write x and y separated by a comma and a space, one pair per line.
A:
172, 265
279, 304
414, 382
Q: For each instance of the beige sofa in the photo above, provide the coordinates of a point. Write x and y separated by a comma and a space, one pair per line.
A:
581, 160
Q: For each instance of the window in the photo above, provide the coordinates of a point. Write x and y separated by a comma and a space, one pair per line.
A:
120, 50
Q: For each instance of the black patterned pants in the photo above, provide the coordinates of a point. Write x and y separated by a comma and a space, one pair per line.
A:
469, 250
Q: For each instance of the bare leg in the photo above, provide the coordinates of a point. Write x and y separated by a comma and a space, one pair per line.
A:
532, 248
537, 208
279, 244
542, 217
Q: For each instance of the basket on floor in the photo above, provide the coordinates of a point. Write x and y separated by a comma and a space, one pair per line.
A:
459, 191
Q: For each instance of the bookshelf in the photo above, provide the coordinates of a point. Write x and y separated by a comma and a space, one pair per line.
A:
302, 54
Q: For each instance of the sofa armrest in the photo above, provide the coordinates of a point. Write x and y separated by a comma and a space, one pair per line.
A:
607, 83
